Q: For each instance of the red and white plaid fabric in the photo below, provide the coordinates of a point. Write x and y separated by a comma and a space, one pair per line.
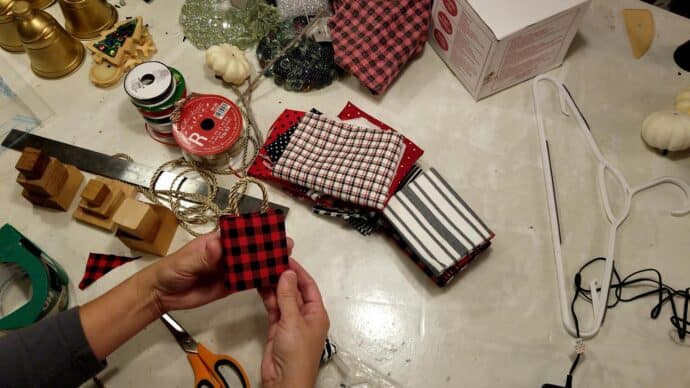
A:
412, 151
356, 165
373, 40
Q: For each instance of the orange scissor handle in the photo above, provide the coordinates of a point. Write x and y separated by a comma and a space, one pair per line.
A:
214, 362
202, 375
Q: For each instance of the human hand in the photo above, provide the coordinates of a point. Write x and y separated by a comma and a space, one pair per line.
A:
297, 328
190, 277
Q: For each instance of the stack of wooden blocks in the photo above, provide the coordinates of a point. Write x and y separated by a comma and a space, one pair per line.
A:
46, 181
145, 227
101, 198
105, 203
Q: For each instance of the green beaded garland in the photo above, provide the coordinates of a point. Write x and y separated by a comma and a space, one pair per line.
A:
210, 22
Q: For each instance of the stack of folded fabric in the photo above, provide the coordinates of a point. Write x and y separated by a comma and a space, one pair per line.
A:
436, 228
371, 187
353, 164
368, 177
374, 40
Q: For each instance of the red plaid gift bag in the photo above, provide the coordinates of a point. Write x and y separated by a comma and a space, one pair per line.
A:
254, 245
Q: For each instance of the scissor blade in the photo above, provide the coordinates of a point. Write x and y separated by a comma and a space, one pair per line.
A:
186, 342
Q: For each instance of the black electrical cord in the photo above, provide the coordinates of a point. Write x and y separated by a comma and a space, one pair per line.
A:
641, 279
637, 279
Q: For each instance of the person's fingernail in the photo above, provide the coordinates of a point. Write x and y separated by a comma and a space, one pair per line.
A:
290, 275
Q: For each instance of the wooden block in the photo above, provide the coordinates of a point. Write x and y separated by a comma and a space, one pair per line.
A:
50, 183
107, 208
159, 243
95, 192
128, 190
100, 217
137, 219
64, 198
32, 163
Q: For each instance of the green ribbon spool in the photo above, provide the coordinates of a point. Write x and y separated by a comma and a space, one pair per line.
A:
180, 88
48, 279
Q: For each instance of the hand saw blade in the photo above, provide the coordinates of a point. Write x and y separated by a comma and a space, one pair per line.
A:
130, 172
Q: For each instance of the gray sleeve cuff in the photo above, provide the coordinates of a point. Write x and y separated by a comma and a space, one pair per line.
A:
82, 358
53, 352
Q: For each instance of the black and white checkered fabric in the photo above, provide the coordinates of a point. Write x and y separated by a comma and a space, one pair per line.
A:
356, 165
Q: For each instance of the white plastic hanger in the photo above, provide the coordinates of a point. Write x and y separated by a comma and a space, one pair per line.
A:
599, 298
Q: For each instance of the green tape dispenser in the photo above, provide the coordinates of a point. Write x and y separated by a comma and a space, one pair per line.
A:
21, 258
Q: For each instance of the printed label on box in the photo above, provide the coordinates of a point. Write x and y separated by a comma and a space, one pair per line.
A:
533, 50
470, 49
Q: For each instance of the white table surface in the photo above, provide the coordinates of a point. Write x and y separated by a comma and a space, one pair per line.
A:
498, 324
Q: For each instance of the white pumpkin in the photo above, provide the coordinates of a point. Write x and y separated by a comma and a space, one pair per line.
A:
667, 130
229, 63
683, 101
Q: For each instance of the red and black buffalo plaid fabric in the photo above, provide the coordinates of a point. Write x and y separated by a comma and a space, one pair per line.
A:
356, 165
255, 249
375, 39
100, 264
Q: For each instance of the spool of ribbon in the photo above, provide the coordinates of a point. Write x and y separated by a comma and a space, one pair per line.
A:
209, 129
153, 89
19, 258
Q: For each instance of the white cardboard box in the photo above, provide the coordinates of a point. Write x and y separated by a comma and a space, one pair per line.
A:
494, 44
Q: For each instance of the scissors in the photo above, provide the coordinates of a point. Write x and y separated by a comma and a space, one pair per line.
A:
210, 370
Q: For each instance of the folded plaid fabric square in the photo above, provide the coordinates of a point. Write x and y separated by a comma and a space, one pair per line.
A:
262, 166
375, 39
436, 227
412, 151
99, 264
356, 165
255, 249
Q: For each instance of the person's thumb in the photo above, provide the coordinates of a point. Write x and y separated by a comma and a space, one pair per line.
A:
288, 295
202, 255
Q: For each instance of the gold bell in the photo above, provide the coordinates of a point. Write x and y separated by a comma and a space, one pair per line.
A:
9, 38
40, 4
85, 19
52, 51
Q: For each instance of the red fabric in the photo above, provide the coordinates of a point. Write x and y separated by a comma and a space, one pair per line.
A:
374, 40
255, 249
261, 168
99, 264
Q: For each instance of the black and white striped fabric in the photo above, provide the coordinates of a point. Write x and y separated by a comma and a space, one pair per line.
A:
409, 177
435, 223
365, 222
366, 225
